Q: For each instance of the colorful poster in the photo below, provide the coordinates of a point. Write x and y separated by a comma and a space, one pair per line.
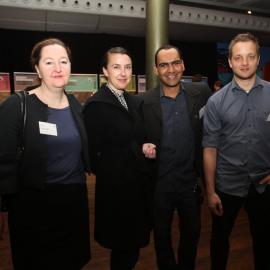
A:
141, 86
82, 83
4, 82
25, 79
131, 87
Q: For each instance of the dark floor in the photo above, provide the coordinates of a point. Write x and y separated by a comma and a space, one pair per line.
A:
240, 256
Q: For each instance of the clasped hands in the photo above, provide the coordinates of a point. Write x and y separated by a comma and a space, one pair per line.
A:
149, 150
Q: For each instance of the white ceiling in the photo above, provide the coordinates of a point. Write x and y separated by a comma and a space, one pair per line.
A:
196, 20
258, 6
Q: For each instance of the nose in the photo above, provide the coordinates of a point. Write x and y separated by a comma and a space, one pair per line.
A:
170, 67
123, 71
245, 61
58, 67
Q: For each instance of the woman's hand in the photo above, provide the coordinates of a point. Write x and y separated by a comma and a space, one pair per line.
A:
149, 150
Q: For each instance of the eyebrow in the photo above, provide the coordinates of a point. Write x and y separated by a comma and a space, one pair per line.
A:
171, 62
122, 65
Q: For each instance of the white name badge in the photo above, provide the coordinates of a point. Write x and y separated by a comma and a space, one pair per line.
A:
47, 128
201, 112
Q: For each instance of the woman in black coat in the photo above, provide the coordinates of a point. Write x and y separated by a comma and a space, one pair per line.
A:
118, 157
46, 192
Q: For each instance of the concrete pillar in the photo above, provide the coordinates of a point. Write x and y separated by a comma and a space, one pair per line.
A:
157, 27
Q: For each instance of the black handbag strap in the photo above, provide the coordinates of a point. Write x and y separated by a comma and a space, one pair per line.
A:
22, 96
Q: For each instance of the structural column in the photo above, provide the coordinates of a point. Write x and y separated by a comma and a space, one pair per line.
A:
157, 27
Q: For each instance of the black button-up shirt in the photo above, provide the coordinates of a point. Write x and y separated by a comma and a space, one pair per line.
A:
237, 123
176, 167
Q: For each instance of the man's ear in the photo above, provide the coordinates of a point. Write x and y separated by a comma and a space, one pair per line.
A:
155, 70
258, 60
230, 63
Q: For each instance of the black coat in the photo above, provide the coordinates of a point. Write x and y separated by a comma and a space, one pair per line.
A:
34, 162
38, 211
115, 136
197, 95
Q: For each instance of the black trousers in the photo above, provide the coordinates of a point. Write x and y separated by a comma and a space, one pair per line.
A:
188, 206
258, 210
124, 259
49, 229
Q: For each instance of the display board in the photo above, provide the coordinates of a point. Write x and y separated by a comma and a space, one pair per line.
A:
4, 85
189, 79
131, 87
4, 82
82, 86
25, 79
141, 83
82, 83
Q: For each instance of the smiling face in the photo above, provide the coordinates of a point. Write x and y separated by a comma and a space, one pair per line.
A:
118, 70
244, 60
54, 67
169, 67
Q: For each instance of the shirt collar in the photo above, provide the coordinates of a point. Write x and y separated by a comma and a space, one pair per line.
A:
257, 85
181, 86
115, 91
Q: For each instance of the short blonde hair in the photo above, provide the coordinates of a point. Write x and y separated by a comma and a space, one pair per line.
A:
244, 37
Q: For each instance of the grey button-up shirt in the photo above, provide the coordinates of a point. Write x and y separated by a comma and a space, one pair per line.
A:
238, 125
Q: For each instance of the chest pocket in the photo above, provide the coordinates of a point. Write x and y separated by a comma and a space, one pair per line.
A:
263, 123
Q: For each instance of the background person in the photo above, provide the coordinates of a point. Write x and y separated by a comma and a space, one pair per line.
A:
237, 154
217, 85
48, 214
173, 114
113, 120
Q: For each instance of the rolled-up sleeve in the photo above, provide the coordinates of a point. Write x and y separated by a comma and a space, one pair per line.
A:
212, 124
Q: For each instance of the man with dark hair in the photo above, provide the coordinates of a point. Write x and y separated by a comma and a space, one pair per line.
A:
237, 154
173, 115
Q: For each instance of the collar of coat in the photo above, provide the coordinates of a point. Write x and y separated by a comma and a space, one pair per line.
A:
105, 95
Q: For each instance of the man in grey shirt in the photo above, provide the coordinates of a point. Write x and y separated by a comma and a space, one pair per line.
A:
237, 154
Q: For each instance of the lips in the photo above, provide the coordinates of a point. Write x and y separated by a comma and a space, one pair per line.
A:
122, 80
172, 77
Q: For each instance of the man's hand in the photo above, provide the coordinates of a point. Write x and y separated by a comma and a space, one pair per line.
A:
149, 150
266, 180
214, 204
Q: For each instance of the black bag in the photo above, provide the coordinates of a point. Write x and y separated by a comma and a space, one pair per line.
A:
22, 97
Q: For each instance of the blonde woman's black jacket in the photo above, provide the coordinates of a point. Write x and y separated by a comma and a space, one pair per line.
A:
123, 187
34, 161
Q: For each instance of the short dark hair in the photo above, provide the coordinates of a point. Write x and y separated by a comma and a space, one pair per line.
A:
113, 50
167, 47
244, 37
36, 51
